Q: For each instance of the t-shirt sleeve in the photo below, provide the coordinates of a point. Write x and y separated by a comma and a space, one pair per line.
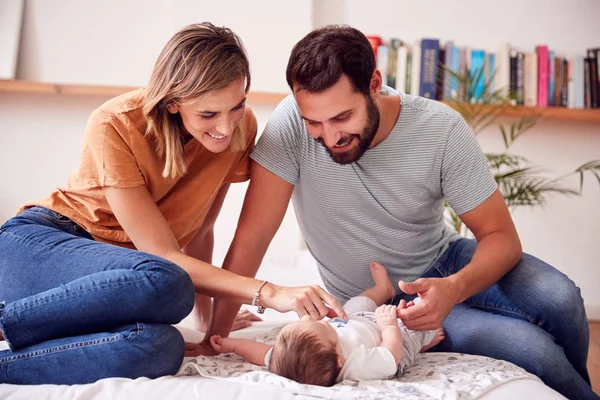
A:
241, 171
466, 177
107, 160
367, 364
279, 147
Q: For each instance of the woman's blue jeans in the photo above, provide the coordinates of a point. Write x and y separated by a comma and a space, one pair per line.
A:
74, 310
533, 317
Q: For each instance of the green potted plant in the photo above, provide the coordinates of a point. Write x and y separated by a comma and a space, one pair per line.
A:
521, 183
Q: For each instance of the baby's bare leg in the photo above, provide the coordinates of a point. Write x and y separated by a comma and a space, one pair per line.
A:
439, 336
383, 289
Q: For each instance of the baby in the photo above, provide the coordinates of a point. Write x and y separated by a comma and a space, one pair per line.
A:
372, 344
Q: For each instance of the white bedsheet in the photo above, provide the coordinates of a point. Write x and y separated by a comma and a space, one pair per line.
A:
434, 376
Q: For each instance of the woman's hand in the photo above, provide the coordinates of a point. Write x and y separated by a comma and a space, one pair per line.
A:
310, 301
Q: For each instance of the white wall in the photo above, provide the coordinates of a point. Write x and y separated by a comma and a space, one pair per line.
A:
565, 232
116, 42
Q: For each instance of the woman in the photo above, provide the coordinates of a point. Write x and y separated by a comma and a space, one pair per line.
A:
93, 276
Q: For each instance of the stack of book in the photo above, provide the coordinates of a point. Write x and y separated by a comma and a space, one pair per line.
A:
538, 78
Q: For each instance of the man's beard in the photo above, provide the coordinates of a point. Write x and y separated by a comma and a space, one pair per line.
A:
364, 140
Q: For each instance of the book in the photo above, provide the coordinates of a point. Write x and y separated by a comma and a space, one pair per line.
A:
392, 61
542, 54
382, 63
415, 81
502, 81
429, 68
448, 54
375, 41
530, 80
477, 73
401, 67
551, 78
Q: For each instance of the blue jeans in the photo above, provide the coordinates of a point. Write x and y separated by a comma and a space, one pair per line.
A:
533, 317
75, 310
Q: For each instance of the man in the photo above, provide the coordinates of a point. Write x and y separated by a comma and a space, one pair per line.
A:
368, 170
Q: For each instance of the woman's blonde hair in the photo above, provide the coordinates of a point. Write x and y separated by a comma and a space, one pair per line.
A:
199, 59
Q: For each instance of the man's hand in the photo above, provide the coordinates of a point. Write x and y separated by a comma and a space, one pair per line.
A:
386, 316
438, 297
199, 349
222, 345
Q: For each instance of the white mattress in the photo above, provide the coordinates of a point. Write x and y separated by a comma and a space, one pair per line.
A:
434, 376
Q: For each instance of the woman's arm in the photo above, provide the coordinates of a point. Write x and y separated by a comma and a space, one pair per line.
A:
150, 232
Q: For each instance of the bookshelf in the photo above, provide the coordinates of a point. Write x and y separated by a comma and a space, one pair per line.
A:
68, 89
18, 86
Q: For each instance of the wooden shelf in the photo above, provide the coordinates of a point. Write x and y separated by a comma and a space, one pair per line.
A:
17, 86
557, 113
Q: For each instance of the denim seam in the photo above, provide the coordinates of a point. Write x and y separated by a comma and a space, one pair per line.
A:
57, 349
498, 308
62, 296
53, 220
55, 247
138, 331
62, 248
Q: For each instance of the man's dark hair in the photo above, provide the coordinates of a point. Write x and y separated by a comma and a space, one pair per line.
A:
319, 59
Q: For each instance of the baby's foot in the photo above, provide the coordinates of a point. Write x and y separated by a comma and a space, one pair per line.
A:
439, 336
382, 281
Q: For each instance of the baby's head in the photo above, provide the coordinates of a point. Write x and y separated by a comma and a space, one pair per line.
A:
307, 352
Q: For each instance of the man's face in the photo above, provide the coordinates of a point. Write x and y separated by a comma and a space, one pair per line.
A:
342, 120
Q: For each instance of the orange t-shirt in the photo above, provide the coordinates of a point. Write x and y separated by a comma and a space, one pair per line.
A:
116, 153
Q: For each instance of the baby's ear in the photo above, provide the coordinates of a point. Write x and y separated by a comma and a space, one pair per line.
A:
340, 361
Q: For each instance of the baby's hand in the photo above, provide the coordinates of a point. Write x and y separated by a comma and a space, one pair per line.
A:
386, 316
221, 345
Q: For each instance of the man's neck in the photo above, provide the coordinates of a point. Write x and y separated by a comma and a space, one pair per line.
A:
389, 111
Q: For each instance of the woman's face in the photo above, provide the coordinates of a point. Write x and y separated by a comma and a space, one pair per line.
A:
212, 118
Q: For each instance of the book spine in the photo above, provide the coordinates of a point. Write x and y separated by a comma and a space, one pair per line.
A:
401, 64
415, 79
542, 53
531, 79
392, 67
382, 63
593, 72
579, 82
520, 78
448, 60
564, 100
429, 68
477, 73
551, 78
586, 77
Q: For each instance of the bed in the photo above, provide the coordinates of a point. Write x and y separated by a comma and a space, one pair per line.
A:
434, 376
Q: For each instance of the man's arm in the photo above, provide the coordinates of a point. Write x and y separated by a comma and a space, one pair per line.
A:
250, 350
265, 204
498, 251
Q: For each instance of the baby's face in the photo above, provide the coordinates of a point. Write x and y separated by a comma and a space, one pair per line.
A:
321, 329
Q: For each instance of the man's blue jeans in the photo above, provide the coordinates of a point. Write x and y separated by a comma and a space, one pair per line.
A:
533, 317
76, 310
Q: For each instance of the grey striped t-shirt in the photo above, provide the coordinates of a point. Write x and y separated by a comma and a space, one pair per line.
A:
388, 205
